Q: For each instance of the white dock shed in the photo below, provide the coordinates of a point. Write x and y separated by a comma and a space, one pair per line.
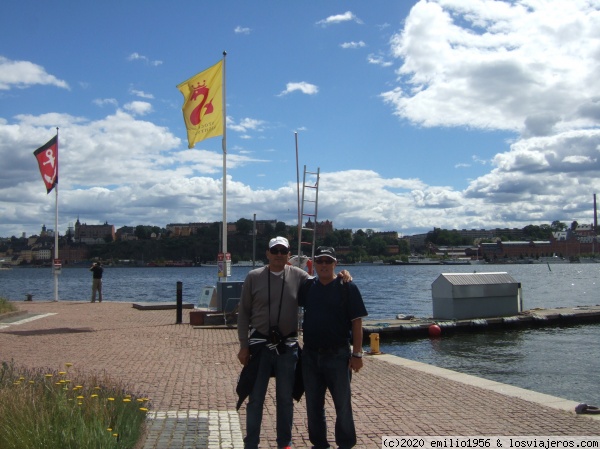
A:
461, 296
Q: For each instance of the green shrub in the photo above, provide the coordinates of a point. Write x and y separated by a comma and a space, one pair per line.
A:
6, 306
57, 410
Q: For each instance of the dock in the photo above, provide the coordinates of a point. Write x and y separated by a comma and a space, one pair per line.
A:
408, 326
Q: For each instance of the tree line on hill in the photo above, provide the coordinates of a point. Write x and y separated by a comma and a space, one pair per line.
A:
204, 245
445, 237
154, 244
362, 245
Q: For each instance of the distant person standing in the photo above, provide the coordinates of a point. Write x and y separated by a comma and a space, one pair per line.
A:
96, 281
333, 312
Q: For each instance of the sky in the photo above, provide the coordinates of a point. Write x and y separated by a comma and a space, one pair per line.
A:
457, 114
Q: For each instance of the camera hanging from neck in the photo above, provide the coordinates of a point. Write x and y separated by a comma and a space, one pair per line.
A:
274, 332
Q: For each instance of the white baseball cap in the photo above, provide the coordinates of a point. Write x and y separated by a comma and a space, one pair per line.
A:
279, 241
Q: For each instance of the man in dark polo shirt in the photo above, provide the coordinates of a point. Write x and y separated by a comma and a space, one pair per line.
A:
333, 313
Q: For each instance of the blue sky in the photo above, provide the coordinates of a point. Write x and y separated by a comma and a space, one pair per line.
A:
454, 114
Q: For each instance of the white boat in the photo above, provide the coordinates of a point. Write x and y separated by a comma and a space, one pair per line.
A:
456, 261
249, 263
552, 260
418, 260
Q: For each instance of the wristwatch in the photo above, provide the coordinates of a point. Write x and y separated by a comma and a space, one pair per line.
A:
358, 355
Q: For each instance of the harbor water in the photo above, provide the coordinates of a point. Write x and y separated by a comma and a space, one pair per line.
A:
561, 361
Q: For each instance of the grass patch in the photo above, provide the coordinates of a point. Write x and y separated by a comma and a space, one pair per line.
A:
7, 306
59, 410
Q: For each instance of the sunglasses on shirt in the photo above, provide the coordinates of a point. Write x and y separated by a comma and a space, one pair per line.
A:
327, 260
275, 250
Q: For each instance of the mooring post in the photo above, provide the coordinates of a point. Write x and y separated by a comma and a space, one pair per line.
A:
179, 301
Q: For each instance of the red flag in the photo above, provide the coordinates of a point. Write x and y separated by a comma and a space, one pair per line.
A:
47, 157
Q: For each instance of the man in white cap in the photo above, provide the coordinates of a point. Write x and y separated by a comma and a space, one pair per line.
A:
333, 313
268, 334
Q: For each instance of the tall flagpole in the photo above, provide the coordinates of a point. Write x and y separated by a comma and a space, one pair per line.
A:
56, 226
298, 188
224, 250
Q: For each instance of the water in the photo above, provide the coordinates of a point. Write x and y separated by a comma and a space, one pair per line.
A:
561, 361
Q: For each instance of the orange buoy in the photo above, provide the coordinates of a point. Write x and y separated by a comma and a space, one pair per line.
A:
435, 330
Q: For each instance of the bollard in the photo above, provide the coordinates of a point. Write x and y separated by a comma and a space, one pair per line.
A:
28, 297
374, 343
179, 301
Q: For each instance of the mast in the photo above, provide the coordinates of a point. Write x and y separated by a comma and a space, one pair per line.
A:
55, 269
298, 189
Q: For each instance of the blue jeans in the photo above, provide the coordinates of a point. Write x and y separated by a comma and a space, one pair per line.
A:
322, 371
284, 366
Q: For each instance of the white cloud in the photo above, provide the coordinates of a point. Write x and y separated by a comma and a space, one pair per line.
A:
138, 57
528, 67
245, 124
352, 44
241, 30
378, 60
22, 74
522, 66
141, 94
304, 87
348, 16
499, 65
138, 107
103, 101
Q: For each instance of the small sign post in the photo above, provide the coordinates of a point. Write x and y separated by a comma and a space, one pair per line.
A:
57, 266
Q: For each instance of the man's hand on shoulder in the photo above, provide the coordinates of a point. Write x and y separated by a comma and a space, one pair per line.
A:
345, 275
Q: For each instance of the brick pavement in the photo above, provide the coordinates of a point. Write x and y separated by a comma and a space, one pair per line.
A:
190, 376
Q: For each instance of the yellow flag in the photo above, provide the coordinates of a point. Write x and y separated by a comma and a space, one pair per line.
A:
203, 104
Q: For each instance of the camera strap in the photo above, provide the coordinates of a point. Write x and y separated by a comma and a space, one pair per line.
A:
280, 296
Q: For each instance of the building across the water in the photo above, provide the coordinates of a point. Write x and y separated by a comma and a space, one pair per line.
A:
91, 234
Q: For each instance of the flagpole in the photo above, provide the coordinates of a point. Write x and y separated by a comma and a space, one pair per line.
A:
298, 189
56, 226
224, 249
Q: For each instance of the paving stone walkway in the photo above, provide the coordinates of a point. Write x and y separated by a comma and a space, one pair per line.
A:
190, 376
